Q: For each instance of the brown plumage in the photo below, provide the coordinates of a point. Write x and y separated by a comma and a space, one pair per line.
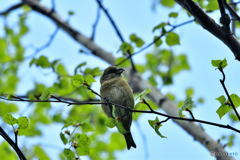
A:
116, 90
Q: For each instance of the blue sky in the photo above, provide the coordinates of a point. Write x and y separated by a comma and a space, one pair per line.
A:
136, 17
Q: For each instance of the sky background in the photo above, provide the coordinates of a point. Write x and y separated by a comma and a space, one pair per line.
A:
135, 16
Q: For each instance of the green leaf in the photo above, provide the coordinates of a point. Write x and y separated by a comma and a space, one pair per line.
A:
223, 110
126, 48
219, 63
221, 99
40, 153
236, 100
172, 39
136, 40
152, 80
60, 70
140, 68
159, 26
200, 100
157, 41
77, 80
43, 62
167, 3
23, 122
89, 79
45, 94
110, 122
189, 92
156, 126
117, 142
86, 127
79, 66
63, 138
188, 104
173, 14
9, 119
83, 144
125, 64
71, 13
69, 154
143, 93
212, 5
93, 71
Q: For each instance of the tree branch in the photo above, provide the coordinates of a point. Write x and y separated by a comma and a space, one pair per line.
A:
210, 25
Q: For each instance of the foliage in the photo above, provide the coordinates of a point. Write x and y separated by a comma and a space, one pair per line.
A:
86, 131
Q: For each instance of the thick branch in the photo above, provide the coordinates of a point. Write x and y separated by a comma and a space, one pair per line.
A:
210, 25
137, 83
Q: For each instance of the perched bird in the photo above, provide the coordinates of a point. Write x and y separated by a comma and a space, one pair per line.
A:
116, 90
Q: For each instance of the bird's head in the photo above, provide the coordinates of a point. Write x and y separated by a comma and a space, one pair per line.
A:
111, 72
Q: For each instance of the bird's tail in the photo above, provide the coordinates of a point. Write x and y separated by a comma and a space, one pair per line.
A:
129, 140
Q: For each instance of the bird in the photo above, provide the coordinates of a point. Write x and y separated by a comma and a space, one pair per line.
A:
115, 90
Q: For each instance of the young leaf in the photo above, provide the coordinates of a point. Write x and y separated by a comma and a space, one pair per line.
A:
137, 40
110, 122
219, 63
221, 99
45, 94
126, 48
223, 109
157, 41
236, 100
77, 80
156, 126
23, 122
173, 14
188, 104
172, 39
9, 119
83, 144
89, 79
63, 138
143, 93
69, 154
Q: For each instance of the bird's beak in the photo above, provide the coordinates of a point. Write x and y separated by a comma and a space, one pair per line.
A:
120, 70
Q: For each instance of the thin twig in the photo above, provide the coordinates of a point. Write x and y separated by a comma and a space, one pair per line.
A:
53, 5
46, 45
163, 121
131, 110
95, 24
155, 40
113, 23
222, 81
190, 112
